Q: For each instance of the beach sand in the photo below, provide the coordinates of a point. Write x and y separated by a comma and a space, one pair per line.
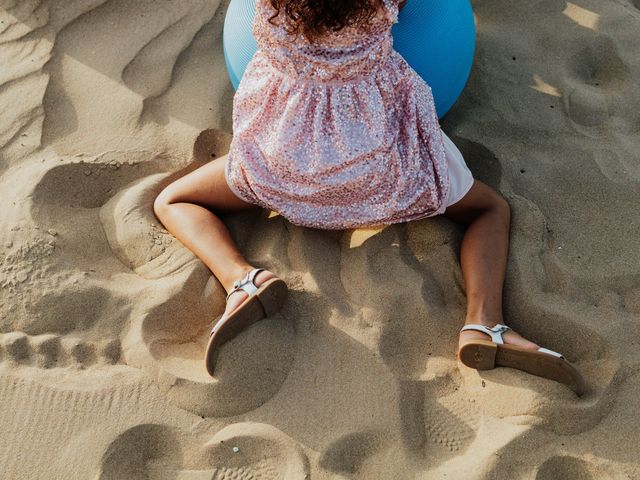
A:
104, 315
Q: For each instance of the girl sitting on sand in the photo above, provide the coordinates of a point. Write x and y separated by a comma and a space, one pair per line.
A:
334, 130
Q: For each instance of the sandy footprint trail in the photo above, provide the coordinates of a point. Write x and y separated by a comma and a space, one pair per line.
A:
245, 450
104, 315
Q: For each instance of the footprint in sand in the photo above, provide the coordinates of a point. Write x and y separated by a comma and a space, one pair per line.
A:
563, 466
548, 461
248, 451
256, 451
349, 454
142, 452
598, 84
451, 423
55, 351
440, 419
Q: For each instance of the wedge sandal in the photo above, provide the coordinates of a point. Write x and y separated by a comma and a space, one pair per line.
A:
485, 355
262, 302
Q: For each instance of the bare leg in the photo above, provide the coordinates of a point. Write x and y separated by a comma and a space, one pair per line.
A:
184, 208
483, 258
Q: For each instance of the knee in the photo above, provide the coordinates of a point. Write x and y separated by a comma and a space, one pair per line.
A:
502, 208
161, 202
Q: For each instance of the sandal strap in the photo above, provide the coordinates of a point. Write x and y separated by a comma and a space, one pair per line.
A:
217, 324
246, 283
550, 352
494, 332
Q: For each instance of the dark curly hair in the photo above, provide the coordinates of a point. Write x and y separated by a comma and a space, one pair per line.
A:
315, 17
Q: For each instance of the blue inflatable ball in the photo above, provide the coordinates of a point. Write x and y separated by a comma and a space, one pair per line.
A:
436, 37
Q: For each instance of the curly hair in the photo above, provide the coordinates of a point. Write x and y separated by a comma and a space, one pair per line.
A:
316, 17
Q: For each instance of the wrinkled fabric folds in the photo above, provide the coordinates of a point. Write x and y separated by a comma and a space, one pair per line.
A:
340, 133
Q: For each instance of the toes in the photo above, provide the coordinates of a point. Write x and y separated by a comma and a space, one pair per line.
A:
520, 341
528, 345
263, 277
235, 300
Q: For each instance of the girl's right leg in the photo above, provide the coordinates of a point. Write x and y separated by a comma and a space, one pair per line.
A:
483, 259
186, 209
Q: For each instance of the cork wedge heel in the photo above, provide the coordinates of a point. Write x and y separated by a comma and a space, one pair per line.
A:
262, 302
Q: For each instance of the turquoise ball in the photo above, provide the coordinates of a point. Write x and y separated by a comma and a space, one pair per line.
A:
436, 37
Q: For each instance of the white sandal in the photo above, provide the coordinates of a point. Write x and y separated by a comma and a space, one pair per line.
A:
485, 355
263, 301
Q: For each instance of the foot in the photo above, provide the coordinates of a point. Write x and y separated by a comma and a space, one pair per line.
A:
239, 296
509, 337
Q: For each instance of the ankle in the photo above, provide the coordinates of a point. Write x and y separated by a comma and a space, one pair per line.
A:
233, 274
484, 320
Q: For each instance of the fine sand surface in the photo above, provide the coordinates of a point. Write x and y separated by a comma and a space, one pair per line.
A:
103, 314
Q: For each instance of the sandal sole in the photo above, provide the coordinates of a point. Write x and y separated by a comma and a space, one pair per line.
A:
266, 301
485, 355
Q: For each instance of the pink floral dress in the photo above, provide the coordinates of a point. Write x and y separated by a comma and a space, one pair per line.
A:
339, 133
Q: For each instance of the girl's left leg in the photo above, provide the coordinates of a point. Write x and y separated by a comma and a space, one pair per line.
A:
483, 259
187, 208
